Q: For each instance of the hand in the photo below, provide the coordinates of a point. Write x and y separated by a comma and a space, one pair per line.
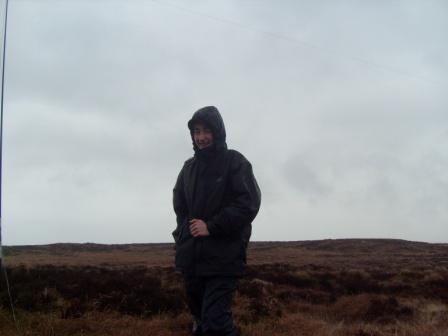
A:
198, 228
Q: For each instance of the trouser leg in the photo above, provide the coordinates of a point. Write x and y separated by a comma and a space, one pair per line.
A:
194, 289
217, 318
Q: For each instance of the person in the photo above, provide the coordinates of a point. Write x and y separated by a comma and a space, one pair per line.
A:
216, 198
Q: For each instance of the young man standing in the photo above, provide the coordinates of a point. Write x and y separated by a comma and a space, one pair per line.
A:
216, 198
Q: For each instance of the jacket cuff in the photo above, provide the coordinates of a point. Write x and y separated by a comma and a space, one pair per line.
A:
175, 235
211, 227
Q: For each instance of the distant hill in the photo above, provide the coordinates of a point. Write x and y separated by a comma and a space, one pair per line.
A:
328, 251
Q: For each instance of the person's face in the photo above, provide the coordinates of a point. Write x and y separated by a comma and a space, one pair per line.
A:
202, 135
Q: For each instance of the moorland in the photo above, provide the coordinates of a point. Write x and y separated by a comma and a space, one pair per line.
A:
343, 287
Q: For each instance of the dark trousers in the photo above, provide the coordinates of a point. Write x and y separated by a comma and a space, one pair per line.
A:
210, 300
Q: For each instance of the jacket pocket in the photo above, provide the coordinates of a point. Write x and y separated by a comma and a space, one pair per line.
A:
221, 250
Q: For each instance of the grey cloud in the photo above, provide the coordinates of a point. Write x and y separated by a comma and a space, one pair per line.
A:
306, 177
339, 107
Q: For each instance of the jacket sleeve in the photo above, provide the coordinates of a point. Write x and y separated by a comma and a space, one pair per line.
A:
179, 205
243, 203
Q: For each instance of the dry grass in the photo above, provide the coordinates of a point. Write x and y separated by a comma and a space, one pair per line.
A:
340, 287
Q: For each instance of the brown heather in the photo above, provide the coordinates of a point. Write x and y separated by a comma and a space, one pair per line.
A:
351, 287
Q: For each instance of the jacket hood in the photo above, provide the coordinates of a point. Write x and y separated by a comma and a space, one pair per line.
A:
210, 116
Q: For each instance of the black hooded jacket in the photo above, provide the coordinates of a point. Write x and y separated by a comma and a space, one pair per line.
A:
216, 185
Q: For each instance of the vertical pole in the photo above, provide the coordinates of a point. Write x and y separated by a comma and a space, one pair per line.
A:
1, 125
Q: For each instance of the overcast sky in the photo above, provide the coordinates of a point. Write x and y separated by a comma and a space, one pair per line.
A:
341, 106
